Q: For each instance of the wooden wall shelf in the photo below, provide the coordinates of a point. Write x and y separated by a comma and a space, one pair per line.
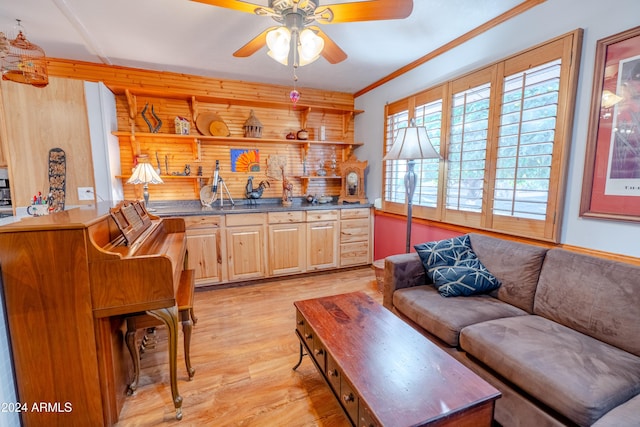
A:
213, 99
279, 115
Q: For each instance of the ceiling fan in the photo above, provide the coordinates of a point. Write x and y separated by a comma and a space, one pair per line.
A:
296, 19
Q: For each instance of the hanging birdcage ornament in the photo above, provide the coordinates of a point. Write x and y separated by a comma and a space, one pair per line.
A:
24, 62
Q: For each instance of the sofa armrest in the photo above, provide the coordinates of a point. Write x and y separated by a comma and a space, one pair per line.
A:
401, 271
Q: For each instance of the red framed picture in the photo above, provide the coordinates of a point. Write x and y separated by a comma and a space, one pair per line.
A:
611, 182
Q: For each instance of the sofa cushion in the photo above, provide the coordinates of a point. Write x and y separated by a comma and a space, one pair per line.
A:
576, 375
595, 296
445, 317
464, 280
516, 265
625, 415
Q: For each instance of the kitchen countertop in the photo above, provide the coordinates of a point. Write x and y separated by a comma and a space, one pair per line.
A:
194, 207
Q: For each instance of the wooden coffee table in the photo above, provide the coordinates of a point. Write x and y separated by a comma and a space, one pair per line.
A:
385, 373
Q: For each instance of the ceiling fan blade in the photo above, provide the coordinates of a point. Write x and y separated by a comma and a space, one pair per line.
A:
331, 51
240, 5
254, 45
371, 10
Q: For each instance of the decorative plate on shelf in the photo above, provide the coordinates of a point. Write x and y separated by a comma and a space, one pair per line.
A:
211, 124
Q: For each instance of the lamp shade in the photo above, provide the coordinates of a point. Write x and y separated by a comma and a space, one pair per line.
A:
412, 143
310, 46
144, 173
279, 42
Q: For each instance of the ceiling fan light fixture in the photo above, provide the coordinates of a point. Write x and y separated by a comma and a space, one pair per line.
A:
310, 46
279, 42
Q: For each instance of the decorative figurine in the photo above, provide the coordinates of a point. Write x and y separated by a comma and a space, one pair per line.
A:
253, 194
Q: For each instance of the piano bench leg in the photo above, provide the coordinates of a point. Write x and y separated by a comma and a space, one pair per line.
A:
187, 327
130, 339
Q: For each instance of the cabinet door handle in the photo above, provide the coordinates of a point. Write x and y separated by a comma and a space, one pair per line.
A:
318, 351
348, 397
308, 336
333, 372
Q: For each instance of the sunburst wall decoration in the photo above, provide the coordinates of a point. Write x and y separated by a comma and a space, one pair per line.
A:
245, 160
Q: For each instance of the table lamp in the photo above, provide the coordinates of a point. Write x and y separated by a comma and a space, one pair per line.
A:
411, 143
144, 173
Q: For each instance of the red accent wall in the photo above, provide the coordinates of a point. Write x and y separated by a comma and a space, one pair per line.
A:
390, 235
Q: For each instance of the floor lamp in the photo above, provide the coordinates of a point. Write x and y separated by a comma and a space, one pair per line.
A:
411, 144
145, 174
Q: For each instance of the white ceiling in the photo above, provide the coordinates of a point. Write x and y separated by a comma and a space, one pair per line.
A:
195, 38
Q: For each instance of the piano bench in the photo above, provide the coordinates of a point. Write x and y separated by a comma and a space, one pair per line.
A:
186, 316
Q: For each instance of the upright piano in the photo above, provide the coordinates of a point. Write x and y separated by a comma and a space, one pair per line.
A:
69, 281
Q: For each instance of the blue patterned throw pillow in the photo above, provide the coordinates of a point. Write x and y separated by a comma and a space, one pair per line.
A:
447, 252
454, 268
464, 280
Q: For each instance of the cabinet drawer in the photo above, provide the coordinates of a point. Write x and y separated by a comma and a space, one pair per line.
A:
333, 374
246, 219
354, 213
319, 353
365, 417
354, 253
354, 230
322, 215
202, 221
300, 323
349, 400
285, 217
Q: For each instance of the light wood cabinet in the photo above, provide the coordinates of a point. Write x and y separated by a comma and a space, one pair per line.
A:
322, 239
205, 249
287, 243
238, 247
246, 249
355, 237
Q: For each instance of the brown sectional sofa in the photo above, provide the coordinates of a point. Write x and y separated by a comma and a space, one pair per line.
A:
560, 338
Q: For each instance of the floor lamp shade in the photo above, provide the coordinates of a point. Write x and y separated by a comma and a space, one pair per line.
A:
411, 143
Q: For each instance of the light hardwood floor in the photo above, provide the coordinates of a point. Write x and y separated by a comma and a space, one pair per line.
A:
243, 348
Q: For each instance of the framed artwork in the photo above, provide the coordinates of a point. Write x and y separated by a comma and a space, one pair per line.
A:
611, 182
245, 160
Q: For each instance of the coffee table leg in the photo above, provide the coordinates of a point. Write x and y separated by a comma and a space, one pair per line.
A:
302, 353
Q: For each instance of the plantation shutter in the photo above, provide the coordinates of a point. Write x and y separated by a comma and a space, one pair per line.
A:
394, 170
525, 142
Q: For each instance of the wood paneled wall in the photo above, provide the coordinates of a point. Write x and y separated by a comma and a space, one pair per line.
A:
37, 120
171, 98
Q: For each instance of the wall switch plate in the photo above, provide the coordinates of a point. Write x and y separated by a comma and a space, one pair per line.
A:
86, 193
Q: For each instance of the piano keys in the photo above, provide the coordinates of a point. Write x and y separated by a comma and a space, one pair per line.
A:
68, 284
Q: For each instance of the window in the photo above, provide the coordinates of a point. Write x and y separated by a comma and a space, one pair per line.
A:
430, 116
468, 148
525, 142
395, 170
504, 133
